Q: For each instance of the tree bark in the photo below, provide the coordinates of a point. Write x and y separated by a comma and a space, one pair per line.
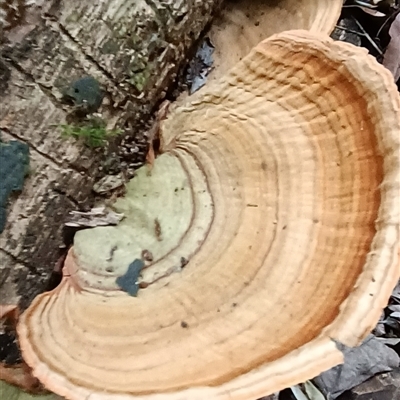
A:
134, 48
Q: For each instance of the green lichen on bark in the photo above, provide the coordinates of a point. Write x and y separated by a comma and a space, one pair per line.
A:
84, 93
14, 161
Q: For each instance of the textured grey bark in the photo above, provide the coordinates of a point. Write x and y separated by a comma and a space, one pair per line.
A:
134, 49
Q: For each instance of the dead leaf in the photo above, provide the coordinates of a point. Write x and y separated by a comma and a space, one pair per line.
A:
381, 387
360, 363
95, 217
8, 311
395, 314
312, 391
391, 342
391, 58
10, 392
20, 376
394, 307
200, 66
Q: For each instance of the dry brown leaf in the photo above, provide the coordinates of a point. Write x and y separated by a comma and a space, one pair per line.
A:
8, 310
20, 375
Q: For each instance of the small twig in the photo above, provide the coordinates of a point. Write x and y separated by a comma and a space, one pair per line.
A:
349, 30
368, 36
365, 4
359, 5
386, 21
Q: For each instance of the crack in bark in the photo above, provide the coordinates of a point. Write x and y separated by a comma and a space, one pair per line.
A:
63, 30
69, 197
55, 164
13, 63
17, 260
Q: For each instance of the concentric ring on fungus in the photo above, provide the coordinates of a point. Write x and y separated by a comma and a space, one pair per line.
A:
280, 186
242, 24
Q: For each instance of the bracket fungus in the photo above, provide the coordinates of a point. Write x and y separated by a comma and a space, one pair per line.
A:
242, 24
279, 188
